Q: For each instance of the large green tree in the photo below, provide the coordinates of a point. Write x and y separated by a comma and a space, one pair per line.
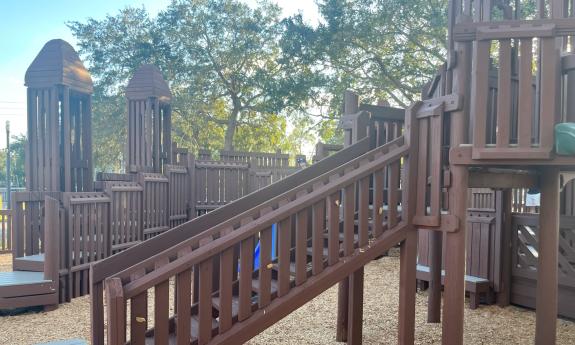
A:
232, 81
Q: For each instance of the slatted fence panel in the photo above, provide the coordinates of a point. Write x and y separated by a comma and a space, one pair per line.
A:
179, 194
217, 183
5, 231
126, 227
155, 203
87, 217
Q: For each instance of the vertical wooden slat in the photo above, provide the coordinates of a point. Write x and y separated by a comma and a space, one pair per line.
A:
504, 95
225, 293
138, 316
421, 187
348, 219
480, 78
363, 211
161, 310
184, 302
317, 237
205, 302
525, 112
378, 189
394, 171
246, 271
333, 202
284, 260
301, 247
549, 91
265, 274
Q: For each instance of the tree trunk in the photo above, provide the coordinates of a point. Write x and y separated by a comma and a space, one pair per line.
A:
230, 130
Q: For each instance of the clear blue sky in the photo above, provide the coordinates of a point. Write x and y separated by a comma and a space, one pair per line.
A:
26, 25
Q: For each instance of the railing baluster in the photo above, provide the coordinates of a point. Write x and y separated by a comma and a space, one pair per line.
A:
205, 302
265, 273
549, 72
301, 247
225, 293
317, 236
161, 309
421, 187
525, 106
480, 76
246, 273
393, 190
348, 219
363, 211
333, 228
284, 260
378, 189
183, 304
138, 315
504, 94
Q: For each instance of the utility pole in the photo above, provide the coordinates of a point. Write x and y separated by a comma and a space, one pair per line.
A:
8, 175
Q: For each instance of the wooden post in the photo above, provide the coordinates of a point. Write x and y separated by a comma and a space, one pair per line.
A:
351, 106
454, 296
546, 296
503, 209
407, 288
434, 291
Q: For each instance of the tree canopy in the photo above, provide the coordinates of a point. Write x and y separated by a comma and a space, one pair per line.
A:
242, 76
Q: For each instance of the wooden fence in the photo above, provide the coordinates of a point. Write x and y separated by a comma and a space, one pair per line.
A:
5, 231
126, 209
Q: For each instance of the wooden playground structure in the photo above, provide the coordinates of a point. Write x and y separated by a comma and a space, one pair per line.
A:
247, 239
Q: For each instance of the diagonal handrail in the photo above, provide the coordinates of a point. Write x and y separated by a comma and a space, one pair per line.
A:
322, 186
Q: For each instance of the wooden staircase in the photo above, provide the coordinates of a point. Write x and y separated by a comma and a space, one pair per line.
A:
328, 228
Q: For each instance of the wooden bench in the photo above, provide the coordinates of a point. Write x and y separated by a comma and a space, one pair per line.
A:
476, 286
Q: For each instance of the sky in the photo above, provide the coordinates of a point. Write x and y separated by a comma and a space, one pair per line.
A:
26, 25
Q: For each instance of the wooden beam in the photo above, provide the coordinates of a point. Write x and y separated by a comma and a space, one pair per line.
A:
511, 179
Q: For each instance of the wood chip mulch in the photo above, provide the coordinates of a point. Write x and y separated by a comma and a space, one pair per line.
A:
314, 323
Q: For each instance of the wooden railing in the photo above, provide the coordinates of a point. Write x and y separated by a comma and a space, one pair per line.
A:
135, 255
531, 47
5, 231
309, 215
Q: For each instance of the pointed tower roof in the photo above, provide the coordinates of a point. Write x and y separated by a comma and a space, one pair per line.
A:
58, 64
146, 82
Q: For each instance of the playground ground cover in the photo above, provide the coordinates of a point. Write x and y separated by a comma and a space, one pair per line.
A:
314, 323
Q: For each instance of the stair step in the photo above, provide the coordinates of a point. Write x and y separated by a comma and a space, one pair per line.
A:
32, 263
341, 237
194, 328
235, 304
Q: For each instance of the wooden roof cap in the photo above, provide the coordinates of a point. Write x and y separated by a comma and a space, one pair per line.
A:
147, 82
58, 64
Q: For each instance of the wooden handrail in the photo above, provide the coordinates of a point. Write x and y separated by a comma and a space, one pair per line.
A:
319, 197
132, 256
325, 181
217, 246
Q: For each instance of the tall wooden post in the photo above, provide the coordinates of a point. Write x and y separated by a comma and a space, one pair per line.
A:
454, 293
149, 144
59, 114
8, 172
547, 281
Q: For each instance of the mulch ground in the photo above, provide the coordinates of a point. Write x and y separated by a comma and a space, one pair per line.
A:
314, 323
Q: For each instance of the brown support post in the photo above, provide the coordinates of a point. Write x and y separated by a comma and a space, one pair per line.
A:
503, 209
407, 288
355, 307
434, 291
454, 288
350, 106
546, 296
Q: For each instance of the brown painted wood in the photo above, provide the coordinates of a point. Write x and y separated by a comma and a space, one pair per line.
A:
245, 284
284, 257
546, 299
116, 312
318, 228
355, 307
301, 247
407, 288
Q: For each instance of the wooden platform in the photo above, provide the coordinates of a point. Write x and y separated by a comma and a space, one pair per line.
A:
22, 289
34, 263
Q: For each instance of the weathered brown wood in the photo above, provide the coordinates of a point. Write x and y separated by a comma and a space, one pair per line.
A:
116, 311
246, 271
546, 300
301, 247
318, 228
284, 257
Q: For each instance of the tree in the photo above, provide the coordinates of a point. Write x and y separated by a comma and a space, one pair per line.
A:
17, 149
228, 73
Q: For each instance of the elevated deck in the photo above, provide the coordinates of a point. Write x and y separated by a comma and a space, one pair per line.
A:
34, 263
